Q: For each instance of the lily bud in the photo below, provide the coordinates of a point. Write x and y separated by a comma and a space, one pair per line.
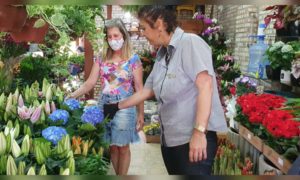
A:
16, 151
2, 100
2, 144
31, 171
21, 168
49, 93
43, 170
20, 101
9, 103
11, 168
25, 145
53, 107
36, 114
66, 172
16, 96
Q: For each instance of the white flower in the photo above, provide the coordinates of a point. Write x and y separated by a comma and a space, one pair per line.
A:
286, 48
214, 20
228, 41
278, 44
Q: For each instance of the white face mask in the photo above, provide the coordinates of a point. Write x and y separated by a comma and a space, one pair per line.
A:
116, 44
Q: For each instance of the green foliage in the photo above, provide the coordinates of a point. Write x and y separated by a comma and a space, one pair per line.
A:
10, 49
75, 59
148, 60
91, 165
68, 22
33, 69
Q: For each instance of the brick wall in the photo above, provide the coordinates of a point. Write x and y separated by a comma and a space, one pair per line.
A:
238, 22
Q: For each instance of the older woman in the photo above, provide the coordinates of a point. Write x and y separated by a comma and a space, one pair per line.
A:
184, 83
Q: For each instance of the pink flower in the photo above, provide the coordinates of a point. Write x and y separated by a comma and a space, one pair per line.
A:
36, 114
24, 112
20, 101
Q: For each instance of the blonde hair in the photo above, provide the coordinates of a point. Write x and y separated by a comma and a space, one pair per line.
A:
126, 48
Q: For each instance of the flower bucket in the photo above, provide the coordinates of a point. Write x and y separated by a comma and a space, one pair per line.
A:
273, 74
294, 81
285, 77
75, 69
31, 34
12, 18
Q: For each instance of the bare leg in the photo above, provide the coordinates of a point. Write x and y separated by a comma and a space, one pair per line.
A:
114, 156
124, 159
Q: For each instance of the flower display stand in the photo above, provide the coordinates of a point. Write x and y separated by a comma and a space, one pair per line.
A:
280, 162
153, 138
251, 138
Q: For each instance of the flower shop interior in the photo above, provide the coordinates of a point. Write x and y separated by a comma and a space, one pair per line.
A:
46, 52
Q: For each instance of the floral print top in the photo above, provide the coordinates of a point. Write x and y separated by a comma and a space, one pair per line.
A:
117, 78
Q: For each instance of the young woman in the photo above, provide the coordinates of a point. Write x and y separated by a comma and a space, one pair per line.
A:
184, 83
121, 75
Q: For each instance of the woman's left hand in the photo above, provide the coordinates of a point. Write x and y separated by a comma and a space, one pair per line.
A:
139, 123
198, 145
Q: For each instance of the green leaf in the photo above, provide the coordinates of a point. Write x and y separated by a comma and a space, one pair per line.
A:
39, 23
58, 19
87, 127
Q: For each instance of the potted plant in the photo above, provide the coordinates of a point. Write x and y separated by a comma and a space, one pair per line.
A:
34, 30
280, 56
12, 18
286, 23
68, 22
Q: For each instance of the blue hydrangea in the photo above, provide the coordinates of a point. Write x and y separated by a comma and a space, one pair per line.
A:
54, 134
73, 104
59, 114
93, 115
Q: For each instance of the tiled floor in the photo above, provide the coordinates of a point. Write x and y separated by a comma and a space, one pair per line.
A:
146, 159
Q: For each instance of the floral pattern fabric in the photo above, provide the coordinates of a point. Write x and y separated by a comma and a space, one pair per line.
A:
116, 78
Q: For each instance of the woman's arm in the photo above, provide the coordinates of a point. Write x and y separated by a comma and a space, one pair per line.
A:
136, 98
138, 86
89, 83
198, 143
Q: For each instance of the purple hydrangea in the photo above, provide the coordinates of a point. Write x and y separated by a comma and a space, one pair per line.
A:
59, 114
72, 104
93, 115
54, 134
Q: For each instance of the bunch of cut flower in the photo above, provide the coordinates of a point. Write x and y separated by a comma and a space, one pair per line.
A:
228, 161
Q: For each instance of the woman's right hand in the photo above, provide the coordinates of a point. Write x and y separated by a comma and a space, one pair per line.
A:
110, 110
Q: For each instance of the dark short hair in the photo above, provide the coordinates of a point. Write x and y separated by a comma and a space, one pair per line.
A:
151, 13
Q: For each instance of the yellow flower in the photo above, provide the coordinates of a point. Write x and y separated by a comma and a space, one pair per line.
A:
1, 64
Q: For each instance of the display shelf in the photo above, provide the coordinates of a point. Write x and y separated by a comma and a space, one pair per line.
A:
279, 161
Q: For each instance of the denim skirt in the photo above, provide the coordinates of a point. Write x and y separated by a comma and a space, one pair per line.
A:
121, 130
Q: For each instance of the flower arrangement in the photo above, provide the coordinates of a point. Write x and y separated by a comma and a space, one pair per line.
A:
54, 134
59, 115
228, 160
92, 115
72, 104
